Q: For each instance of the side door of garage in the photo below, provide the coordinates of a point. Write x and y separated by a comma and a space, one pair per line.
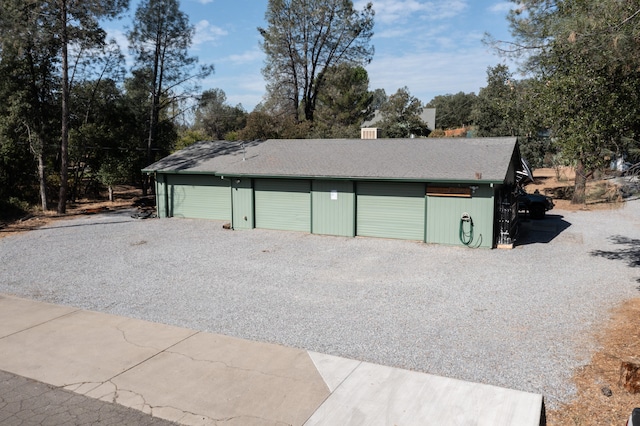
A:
198, 196
391, 210
283, 204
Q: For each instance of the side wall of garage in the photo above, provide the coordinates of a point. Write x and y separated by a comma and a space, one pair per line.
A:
444, 218
161, 192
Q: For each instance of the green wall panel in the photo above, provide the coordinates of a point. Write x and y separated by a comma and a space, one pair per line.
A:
199, 196
333, 208
161, 191
443, 218
391, 210
242, 199
283, 204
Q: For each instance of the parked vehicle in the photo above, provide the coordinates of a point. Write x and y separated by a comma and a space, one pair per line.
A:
634, 418
536, 204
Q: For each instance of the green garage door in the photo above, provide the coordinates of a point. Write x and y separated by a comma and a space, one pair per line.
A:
283, 204
390, 210
199, 196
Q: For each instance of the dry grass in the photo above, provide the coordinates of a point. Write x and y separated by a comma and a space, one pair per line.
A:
618, 340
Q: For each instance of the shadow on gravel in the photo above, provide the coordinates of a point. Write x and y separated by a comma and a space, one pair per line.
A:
630, 252
541, 231
80, 225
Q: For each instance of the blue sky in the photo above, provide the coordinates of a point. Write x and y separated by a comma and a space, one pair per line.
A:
432, 47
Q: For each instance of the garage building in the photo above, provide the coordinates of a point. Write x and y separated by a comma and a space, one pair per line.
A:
444, 191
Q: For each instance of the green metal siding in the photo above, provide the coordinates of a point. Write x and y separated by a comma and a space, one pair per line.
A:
283, 204
199, 196
242, 199
391, 210
333, 208
443, 218
161, 192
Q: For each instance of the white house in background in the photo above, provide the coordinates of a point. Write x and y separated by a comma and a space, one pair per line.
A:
368, 130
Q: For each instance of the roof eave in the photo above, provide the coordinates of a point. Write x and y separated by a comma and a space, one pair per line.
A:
359, 178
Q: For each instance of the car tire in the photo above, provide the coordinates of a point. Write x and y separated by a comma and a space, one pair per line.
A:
537, 211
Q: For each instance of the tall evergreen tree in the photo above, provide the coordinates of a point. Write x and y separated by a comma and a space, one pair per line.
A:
160, 39
494, 112
304, 39
59, 25
344, 103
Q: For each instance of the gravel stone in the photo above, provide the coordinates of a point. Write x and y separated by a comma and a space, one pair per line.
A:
521, 318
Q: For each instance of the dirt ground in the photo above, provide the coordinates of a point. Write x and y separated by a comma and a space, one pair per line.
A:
125, 197
600, 400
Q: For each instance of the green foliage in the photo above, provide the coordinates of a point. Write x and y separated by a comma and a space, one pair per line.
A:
189, 137
586, 59
215, 117
344, 103
304, 40
453, 111
401, 116
495, 112
232, 136
113, 171
261, 126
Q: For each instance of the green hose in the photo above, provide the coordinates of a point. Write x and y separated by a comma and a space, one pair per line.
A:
466, 237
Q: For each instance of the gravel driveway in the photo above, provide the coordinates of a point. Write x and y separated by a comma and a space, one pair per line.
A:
519, 318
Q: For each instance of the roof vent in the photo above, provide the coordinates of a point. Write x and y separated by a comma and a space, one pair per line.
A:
369, 133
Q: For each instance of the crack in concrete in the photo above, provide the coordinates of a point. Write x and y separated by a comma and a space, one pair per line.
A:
126, 339
248, 370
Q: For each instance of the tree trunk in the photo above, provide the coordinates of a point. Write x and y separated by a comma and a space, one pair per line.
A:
156, 88
42, 177
580, 186
110, 188
64, 138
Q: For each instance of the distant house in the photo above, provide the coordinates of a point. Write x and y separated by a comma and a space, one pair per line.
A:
428, 116
430, 190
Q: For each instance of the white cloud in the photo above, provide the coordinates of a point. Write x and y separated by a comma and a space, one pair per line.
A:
502, 7
207, 33
121, 39
254, 55
398, 11
393, 33
242, 85
432, 73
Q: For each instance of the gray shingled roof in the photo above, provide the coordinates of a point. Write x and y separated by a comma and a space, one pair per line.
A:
430, 159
